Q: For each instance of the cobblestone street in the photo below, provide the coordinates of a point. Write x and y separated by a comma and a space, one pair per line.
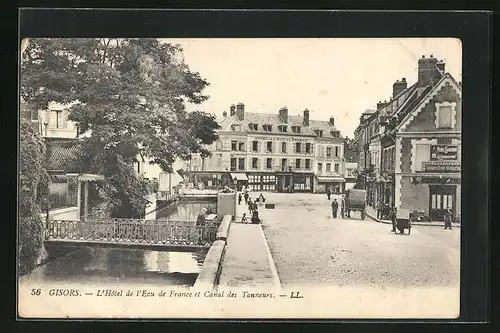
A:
310, 247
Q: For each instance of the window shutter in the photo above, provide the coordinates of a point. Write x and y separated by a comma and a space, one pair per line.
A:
272, 163
303, 147
312, 148
258, 163
273, 146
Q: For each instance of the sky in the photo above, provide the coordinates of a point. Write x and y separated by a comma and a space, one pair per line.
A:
332, 77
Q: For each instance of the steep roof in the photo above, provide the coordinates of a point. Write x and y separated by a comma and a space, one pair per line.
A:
275, 120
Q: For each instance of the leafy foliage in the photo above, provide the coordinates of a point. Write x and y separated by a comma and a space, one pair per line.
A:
33, 194
130, 94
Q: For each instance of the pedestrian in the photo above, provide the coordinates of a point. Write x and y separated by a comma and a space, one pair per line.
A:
393, 218
255, 217
250, 205
342, 205
261, 199
379, 207
239, 199
244, 218
328, 194
447, 218
246, 197
335, 207
200, 220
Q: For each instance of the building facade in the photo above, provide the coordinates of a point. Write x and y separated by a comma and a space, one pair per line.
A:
416, 151
274, 152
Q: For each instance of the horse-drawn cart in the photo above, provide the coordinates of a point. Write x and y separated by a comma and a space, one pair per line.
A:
355, 200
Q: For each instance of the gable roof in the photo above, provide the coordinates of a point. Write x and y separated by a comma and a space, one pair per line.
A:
406, 114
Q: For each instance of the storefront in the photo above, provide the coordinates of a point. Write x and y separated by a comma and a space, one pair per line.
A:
336, 184
262, 181
239, 179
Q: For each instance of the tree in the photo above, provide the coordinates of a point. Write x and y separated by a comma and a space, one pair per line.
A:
130, 95
33, 194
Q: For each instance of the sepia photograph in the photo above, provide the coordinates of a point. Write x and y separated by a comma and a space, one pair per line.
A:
240, 178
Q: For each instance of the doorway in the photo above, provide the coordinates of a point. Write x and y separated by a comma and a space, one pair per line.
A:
441, 197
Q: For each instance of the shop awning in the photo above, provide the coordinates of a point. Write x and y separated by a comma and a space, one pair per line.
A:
239, 176
331, 179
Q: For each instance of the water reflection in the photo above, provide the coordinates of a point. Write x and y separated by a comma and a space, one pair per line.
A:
98, 264
122, 265
185, 211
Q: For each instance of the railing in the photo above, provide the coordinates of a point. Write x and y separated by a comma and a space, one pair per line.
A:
132, 231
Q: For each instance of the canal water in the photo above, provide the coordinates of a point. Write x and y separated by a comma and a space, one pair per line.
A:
117, 265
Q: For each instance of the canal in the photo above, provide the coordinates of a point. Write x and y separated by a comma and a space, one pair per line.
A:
89, 265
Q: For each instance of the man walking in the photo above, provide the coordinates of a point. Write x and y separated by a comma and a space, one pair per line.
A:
393, 218
335, 207
447, 219
239, 199
246, 197
379, 207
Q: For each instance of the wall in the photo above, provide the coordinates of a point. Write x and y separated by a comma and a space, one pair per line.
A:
414, 197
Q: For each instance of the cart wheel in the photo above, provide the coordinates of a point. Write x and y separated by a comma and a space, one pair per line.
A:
409, 230
363, 215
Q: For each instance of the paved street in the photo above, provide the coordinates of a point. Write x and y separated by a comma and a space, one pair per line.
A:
310, 247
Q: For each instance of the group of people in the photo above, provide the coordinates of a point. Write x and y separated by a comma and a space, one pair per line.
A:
335, 204
253, 206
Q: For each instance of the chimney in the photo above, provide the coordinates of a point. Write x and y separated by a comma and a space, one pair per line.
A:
306, 117
332, 121
284, 114
428, 73
380, 104
441, 66
224, 114
232, 110
240, 111
398, 87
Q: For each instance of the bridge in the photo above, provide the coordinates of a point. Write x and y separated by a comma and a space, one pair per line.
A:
178, 236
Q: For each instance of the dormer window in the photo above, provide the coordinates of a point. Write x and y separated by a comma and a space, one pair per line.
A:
236, 128
319, 133
282, 128
335, 134
296, 129
267, 128
253, 127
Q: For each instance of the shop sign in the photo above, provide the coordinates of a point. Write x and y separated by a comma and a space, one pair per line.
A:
444, 153
267, 138
441, 166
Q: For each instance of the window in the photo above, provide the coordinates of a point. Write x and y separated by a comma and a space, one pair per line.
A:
241, 164
423, 153
234, 145
269, 163
308, 164
269, 146
320, 167
34, 115
297, 147
308, 148
219, 160
336, 151
253, 127
328, 167
335, 134
283, 164
241, 146
283, 147
255, 163
236, 128
445, 115
282, 128
297, 163
328, 152
336, 167
319, 132
255, 146
218, 146
233, 164
56, 119
296, 129
267, 128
